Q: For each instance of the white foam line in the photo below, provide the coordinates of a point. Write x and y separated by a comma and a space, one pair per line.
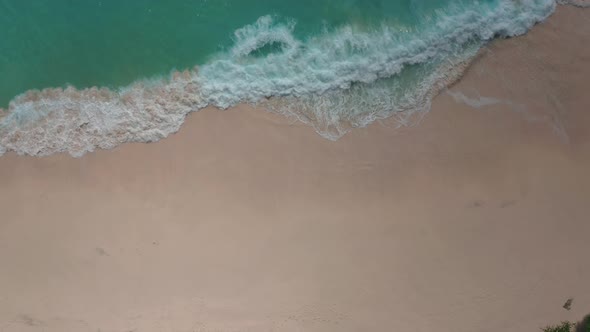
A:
335, 81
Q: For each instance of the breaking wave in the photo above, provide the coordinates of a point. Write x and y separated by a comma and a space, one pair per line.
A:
335, 81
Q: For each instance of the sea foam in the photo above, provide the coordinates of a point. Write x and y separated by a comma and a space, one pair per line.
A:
335, 81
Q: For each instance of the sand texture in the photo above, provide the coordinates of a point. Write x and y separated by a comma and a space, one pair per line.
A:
475, 219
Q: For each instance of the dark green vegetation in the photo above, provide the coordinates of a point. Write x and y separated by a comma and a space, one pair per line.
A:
563, 327
582, 326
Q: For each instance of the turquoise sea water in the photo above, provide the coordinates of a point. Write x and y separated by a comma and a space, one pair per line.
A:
335, 64
113, 42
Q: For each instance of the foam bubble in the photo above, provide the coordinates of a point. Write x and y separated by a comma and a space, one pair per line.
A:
252, 37
41, 123
335, 81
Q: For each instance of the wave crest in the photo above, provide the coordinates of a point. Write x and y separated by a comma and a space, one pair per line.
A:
335, 81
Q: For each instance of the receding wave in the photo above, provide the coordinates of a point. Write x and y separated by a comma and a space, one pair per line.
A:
335, 81
577, 3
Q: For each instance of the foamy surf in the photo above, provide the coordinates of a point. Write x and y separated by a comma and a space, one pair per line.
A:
341, 79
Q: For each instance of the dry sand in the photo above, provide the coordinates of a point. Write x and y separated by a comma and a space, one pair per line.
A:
476, 219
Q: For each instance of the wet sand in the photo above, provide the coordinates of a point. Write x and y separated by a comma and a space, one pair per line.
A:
474, 219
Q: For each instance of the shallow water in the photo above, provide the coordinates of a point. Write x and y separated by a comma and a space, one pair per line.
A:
333, 64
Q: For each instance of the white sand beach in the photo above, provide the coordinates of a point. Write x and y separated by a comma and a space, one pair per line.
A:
477, 218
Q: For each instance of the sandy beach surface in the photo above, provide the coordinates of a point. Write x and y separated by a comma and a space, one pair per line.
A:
475, 219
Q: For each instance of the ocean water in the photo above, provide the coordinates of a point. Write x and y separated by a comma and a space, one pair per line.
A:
81, 75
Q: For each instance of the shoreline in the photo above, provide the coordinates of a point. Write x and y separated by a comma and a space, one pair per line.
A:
79, 121
474, 219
